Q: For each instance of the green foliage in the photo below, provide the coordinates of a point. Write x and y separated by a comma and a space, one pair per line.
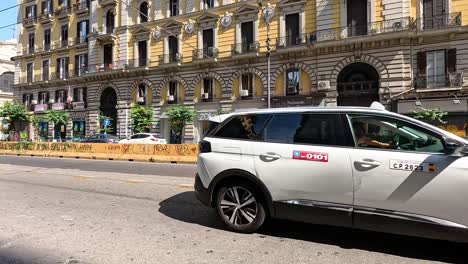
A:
142, 117
430, 115
57, 116
179, 116
15, 111
223, 111
37, 119
102, 128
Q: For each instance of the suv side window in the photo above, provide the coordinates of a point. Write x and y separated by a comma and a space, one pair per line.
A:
247, 127
306, 128
135, 136
388, 133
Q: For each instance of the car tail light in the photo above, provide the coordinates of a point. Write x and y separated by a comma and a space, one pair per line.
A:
204, 146
110, 140
154, 139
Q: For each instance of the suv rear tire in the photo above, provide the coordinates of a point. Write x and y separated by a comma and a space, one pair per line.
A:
240, 207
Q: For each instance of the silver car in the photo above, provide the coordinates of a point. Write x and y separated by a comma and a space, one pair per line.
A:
364, 168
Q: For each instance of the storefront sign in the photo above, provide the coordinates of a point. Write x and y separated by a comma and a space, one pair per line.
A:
78, 115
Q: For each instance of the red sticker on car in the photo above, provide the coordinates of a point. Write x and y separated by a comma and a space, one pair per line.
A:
311, 156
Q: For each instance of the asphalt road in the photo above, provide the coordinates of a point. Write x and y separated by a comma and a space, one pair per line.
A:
77, 211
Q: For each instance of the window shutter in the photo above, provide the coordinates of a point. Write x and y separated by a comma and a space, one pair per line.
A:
35, 11
421, 61
77, 65
85, 96
75, 95
47, 98
78, 30
451, 60
24, 98
87, 27
57, 96
66, 66
57, 66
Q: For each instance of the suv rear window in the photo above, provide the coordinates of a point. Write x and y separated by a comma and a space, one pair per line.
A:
306, 128
248, 127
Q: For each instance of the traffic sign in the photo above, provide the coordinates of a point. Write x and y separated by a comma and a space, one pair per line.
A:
106, 122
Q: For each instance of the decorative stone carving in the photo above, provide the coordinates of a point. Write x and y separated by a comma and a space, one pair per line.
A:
189, 27
226, 20
157, 33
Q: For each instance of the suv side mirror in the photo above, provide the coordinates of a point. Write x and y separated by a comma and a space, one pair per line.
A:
454, 147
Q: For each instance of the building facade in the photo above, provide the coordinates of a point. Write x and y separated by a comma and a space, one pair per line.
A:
7, 67
104, 56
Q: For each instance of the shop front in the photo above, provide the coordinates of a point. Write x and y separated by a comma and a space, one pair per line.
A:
456, 108
78, 126
43, 131
202, 123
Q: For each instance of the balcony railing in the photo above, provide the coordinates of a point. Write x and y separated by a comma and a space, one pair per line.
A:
136, 63
451, 80
352, 88
80, 40
58, 106
63, 11
374, 28
60, 75
82, 7
29, 21
29, 50
206, 53
46, 17
46, 47
440, 22
41, 107
241, 48
170, 58
291, 41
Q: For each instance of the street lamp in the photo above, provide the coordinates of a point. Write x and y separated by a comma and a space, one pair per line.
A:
268, 12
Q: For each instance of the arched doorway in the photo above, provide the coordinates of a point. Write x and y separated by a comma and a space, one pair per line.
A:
358, 85
108, 107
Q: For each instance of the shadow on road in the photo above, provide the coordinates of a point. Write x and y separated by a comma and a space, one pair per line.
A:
185, 207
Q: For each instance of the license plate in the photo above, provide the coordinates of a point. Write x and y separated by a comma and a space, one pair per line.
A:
412, 166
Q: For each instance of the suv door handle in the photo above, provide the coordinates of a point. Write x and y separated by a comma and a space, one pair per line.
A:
367, 163
269, 157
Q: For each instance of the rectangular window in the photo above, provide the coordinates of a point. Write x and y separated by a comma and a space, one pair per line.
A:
62, 68
306, 128
43, 98
247, 85
64, 36
27, 99
207, 92
208, 42
79, 130
45, 70
142, 54
46, 7
173, 86
82, 31
108, 54
63, 3
81, 64
292, 30
31, 42
247, 127
142, 94
173, 48
47, 39
174, 7
31, 12
247, 30
60, 96
435, 68
29, 72
292, 82
209, 3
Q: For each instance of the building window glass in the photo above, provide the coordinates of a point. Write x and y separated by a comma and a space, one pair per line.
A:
172, 92
47, 39
292, 82
208, 43
207, 92
144, 12
435, 68
174, 7
82, 31
142, 53
43, 132
31, 42
79, 130
142, 94
81, 64
60, 96
31, 12
62, 68
45, 70
209, 3
29, 72
247, 85
46, 7
43, 98
64, 36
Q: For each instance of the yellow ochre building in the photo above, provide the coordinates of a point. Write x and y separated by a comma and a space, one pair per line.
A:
211, 55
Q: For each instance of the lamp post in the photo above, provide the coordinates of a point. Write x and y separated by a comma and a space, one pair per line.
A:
267, 13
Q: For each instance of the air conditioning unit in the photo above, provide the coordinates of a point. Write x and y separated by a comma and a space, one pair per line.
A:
170, 98
398, 25
211, 51
51, 101
456, 79
140, 99
206, 96
34, 102
244, 93
178, 57
374, 31
78, 105
323, 85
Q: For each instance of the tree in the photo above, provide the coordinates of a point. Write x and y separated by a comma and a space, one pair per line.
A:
15, 112
179, 116
36, 121
430, 115
142, 117
57, 117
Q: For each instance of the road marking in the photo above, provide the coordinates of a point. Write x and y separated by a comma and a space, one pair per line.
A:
185, 186
80, 177
132, 181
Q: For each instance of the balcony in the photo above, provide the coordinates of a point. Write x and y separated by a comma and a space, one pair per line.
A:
439, 22
58, 106
104, 35
245, 48
448, 81
170, 58
207, 53
139, 63
292, 42
46, 18
80, 42
78, 105
104, 67
82, 8
60, 76
104, 3
41, 107
30, 22
63, 13
29, 50
371, 29
46, 47
61, 44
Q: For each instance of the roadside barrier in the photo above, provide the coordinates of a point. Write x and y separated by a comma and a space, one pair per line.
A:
175, 153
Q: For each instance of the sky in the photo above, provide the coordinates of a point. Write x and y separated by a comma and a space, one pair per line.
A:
6, 18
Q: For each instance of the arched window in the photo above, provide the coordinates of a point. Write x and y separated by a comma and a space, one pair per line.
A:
144, 12
110, 21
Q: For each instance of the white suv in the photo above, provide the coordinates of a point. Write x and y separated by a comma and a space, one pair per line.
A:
365, 168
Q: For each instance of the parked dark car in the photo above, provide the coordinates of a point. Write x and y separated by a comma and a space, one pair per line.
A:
101, 138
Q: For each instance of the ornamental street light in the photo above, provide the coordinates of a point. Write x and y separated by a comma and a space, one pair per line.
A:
268, 12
